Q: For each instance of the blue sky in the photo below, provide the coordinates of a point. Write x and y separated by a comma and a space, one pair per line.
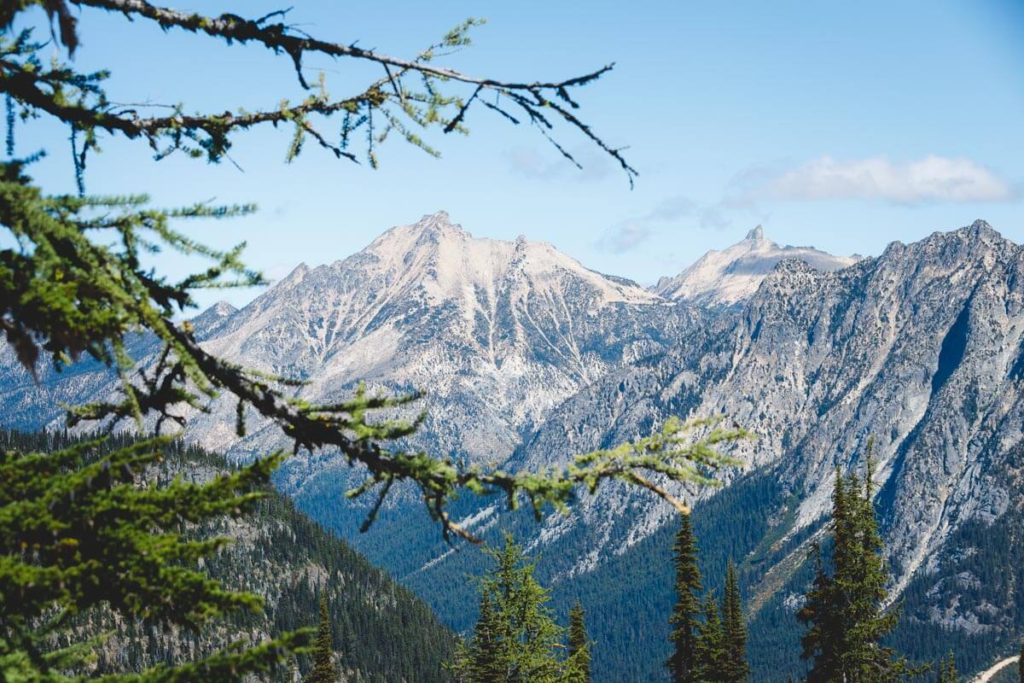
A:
840, 125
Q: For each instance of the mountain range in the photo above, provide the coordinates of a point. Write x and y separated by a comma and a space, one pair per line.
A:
527, 357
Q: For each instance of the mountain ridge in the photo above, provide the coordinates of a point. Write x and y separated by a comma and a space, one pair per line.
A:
529, 357
732, 275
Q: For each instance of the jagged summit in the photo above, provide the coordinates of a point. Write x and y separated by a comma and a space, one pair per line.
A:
499, 330
448, 263
732, 275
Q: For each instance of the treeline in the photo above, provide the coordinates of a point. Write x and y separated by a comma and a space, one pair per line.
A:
846, 627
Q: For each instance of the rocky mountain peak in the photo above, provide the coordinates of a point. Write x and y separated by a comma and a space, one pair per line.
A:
213, 317
732, 275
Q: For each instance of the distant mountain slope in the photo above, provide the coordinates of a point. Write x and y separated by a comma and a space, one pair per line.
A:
496, 333
383, 633
921, 348
529, 357
734, 274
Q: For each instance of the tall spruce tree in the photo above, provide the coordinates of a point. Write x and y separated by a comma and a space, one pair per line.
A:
737, 668
684, 619
843, 610
324, 669
516, 639
711, 654
947, 669
577, 664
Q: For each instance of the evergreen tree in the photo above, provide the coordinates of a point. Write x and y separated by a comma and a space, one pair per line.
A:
947, 669
1020, 663
485, 663
684, 619
843, 615
711, 655
737, 669
83, 534
516, 638
577, 665
324, 669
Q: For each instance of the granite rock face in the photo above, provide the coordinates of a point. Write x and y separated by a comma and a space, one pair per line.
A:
528, 357
920, 348
732, 275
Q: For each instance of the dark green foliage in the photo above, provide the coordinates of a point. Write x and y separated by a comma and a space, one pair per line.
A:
843, 614
385, 633
628, 596
516, 639
736, 668
682, 663
324, 669
82, 532
577, 665
1020, 663
711, 655
946, 669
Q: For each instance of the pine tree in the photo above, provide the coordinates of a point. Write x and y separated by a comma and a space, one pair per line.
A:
711, 655
577, 664
485, 662
737, 669
83, 532
843, 614
1020, 663
684, 621
516, 639
947, 669
324, 669
821, 641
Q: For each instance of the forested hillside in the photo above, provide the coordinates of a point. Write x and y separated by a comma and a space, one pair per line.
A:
382, 632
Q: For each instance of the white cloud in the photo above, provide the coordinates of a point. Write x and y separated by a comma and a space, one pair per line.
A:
927, 180
631, 233
625, 236
529, 162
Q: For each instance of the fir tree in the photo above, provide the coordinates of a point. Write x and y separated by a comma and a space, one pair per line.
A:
324, 669
843, 614
577, 664
737, 669
485, 662
82, 533
516, 638
711, 655
947, 669
684, 620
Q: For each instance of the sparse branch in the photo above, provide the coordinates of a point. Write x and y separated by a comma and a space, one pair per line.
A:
78, 100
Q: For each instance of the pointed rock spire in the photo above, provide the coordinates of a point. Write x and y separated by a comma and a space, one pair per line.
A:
757, 234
